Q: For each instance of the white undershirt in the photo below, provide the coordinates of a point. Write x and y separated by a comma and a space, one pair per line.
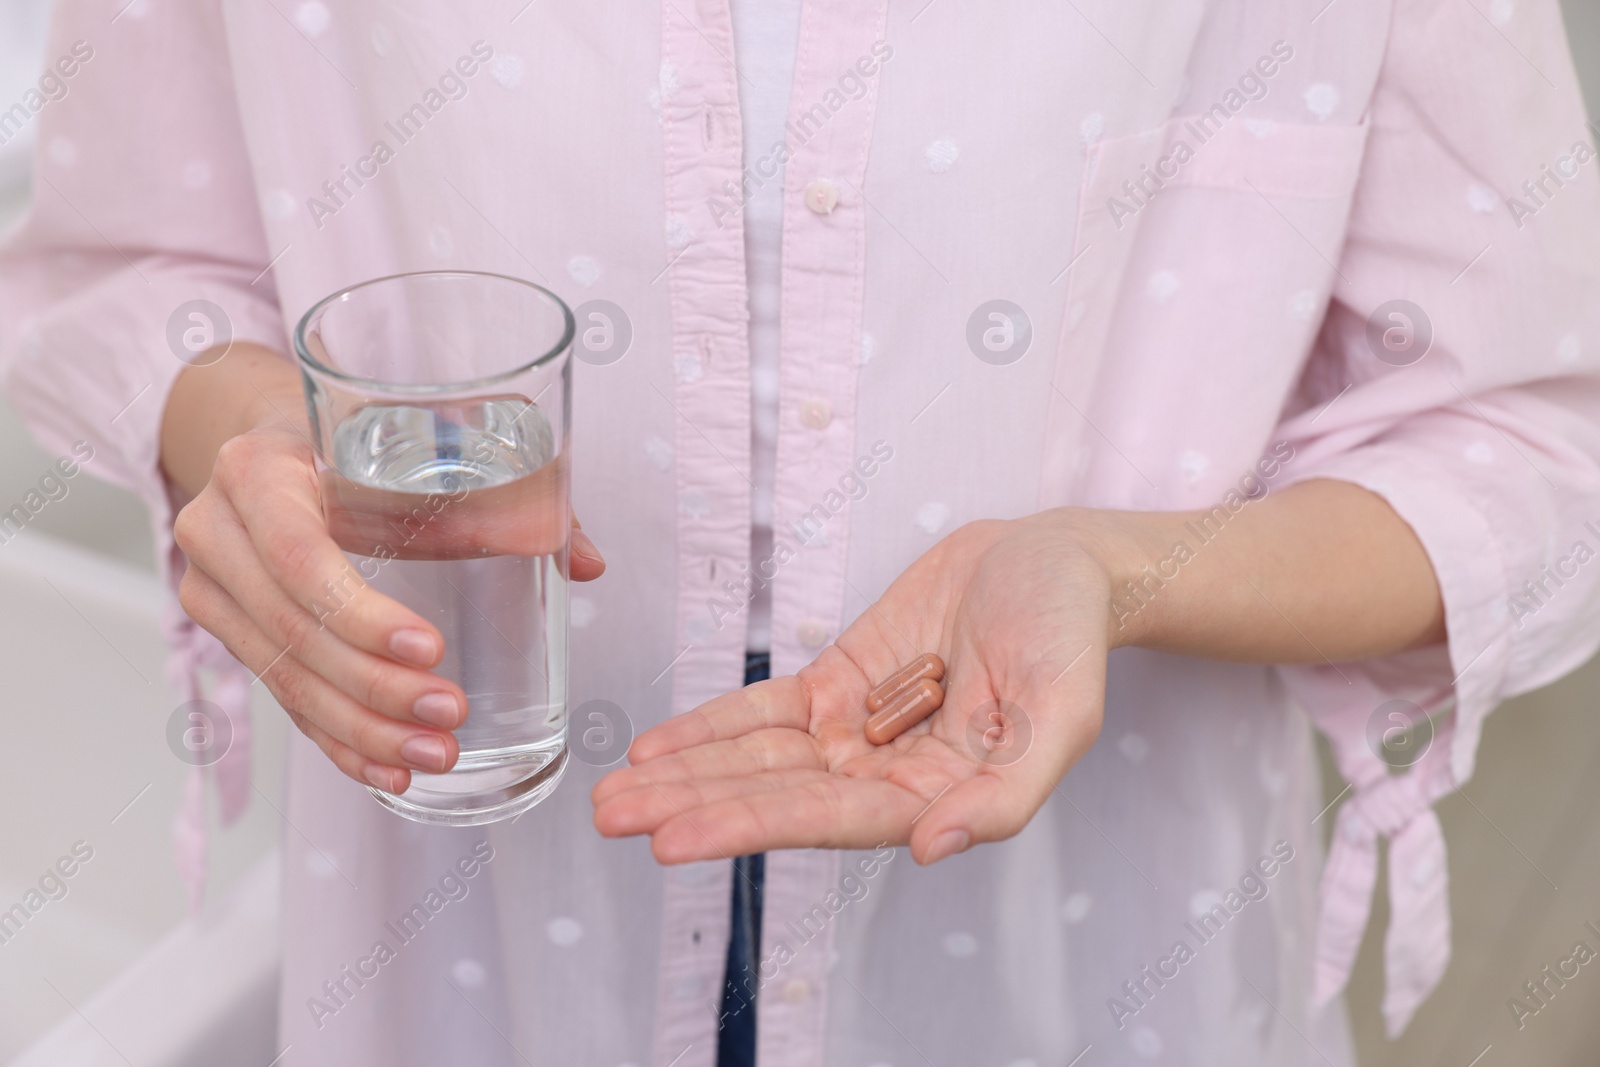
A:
766, 35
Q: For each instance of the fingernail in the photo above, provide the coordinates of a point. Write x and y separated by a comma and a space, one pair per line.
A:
379, 777
582, 546
425, 752
437, 709
947, 844
416, 646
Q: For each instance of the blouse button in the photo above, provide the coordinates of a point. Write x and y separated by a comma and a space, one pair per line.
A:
797, 991
822, 196
812, 634
816, 414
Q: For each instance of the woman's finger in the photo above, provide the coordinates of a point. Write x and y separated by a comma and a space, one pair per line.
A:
641, 809
227, 557
985, 807
585, 561
777, 749
1023, 724
825, 811
777, 702
352, 763
376, 737
527, 516
301, 691
271, 486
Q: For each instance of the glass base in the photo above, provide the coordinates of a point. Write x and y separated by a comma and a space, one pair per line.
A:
475, 793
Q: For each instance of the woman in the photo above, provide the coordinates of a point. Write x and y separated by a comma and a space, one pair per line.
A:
1181, 378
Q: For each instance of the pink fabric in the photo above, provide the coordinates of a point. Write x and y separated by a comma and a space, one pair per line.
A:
193, 650
990, 153
1397, 806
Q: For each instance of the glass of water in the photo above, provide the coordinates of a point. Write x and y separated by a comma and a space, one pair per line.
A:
441, 408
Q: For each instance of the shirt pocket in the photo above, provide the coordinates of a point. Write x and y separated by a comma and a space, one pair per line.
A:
1203, 260
1315, 166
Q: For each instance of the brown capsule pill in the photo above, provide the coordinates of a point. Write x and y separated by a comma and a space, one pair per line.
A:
914, 704
926, 665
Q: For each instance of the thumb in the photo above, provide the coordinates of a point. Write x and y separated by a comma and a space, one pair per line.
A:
1021, 747
586, 561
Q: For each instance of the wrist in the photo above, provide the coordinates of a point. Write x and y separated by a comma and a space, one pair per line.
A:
248, 388
274, 405
1130, 548
270, 391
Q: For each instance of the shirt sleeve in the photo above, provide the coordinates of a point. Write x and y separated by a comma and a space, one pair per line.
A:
143, 241
1457, 375
143, 247
1458, 372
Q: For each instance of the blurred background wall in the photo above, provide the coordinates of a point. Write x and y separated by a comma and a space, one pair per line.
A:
1524, 838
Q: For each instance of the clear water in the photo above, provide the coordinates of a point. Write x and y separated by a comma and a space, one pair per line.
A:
460, 512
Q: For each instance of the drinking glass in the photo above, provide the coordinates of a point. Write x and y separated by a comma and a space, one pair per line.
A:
440, 409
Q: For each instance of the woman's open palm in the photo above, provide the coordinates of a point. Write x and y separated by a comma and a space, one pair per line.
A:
1017, 610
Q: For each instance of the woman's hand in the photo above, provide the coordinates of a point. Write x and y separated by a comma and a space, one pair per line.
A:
1023, 613
1017, 610
357, 680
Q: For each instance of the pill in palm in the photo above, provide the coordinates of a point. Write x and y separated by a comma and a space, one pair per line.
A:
907, 708
927, 665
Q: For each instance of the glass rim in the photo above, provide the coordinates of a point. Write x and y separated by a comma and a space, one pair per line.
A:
307, 360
